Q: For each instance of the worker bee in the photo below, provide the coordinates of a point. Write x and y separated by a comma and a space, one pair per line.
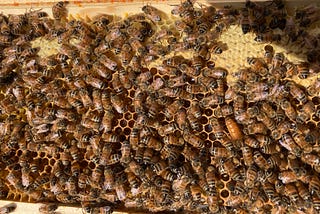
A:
118, 103
173, 140
282, 128
217, 73
305, 112
270, 148
303, 191
193, 139
267, 121
189, 70
152, 142
102, 70
211, 100
8, 208
260, 160
229, 167
183, 26
258, 65
173, 108
217, 128
244, 21
95, 82
59, 10
108, 63
288, 143
257, 128
152, 13
196, 88
296, 92
311, 159
113, 159
268, 109
48, 208
301, 142
314, 185
220, 152
194, 123
247, 154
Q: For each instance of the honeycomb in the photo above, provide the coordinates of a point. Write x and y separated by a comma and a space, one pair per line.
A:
148, 113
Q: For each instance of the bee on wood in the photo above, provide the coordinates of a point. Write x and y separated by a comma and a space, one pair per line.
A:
8, 208
59, 10
152, 13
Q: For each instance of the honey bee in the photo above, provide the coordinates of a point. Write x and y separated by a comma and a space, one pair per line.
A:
301, 142
142, 78
108, 63
303, 70
57, 170
86, 100
258, 65
134, 138
211, 100
173, 108
193, 139
189, 70
173, 140
305, 112
229, 167
288, 143
8, 208
267, 121
303, 191
137, 47
311, 159
152, 142
260, 160
118, 103
267, 109
135, 168
133, 180
220, 152
316, 202
95, 82
194, 123
247, 155
282, 128
296, 92
182, 26
314, 185
113, 159
152, 13
217, 128
292, 192
217, 73
227, 143
208, 82
257, 128
59, 10
196, 88
287, 176
48, 208
108, 182
102, 70
39, 181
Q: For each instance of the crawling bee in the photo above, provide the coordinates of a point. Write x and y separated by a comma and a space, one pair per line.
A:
48, 208
59, 10
9, 208
152, 13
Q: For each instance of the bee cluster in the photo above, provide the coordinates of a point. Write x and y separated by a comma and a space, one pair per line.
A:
103, 124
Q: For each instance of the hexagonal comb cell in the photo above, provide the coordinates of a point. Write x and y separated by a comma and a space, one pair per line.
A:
149, 112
